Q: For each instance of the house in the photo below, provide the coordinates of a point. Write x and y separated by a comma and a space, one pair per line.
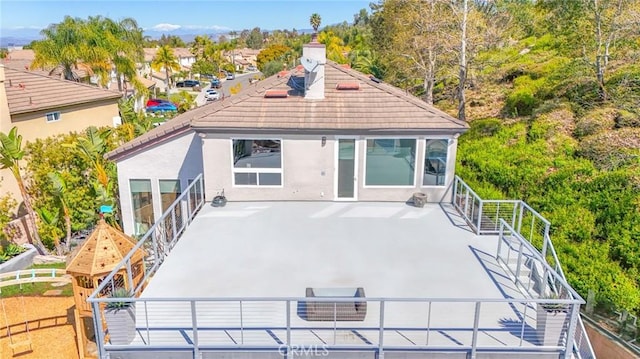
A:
183, 55
346, 137
316, 253
41, 106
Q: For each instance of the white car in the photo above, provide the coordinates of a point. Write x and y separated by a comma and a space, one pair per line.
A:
212, 95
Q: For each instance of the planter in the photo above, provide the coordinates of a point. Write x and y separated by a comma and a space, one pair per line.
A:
550, 326
121, 324
419, 199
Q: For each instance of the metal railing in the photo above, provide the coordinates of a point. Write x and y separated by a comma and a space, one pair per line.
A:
202, 325
156, 245
524, 223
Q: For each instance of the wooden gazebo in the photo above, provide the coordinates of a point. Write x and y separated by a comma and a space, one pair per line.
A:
93, 261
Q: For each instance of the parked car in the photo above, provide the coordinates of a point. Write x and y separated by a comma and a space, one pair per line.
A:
163, 107
231, 76
215, 83
251, 68
212, 95
188, 83
156, 101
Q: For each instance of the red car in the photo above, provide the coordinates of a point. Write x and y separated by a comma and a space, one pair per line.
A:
157, 101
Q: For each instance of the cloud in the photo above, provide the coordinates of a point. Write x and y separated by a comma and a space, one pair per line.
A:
212, 27
165, 27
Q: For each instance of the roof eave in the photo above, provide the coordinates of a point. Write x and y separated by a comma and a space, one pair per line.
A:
74, 103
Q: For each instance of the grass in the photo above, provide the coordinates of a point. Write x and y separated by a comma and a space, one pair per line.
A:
37, 289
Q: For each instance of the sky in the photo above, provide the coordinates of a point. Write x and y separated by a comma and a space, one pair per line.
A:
164, 15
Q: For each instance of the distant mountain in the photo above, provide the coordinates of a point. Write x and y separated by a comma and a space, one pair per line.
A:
18, 37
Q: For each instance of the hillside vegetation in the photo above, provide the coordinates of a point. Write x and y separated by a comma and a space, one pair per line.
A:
541, 132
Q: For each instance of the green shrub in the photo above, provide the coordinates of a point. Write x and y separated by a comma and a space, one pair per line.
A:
627, 119
612, 149
595, 121
523, 99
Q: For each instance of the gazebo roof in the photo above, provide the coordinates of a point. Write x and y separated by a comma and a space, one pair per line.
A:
102, 251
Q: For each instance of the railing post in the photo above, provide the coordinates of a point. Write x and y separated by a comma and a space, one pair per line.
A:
241, 325
474, 338
519, 263
429, 323
132, 287
201, 185
521, 205
289, 327
174, 231
189, 205
194, 323
500, 236
571, 330
480, 216
381, 334
335, 321
524, 321
97, 323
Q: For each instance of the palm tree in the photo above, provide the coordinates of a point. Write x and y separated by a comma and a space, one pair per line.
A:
315, 22
11, 153
63, 45
165, 59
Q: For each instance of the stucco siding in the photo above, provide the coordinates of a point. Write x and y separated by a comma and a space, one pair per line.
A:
308, 171
76, 118
179, 158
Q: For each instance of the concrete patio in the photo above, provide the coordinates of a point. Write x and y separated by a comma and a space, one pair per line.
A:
278, 249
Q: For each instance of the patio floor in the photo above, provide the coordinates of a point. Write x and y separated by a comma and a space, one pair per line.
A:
255, 254
278, 249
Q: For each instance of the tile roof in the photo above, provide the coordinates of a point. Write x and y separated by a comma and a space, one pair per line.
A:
374, 107
29, 92
150, 52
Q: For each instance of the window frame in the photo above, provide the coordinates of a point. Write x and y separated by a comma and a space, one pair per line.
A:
57, 116
256, 170
446, 171
415, 161
133, 209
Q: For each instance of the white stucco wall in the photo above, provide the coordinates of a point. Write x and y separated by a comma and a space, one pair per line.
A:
179, 158
309, 170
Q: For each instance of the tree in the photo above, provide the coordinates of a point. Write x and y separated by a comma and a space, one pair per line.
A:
594, 29
63, 44
315, 21
60, 195
271, 53
414, 36
255, 39
336, 49
200, 43
165, 59
11, 153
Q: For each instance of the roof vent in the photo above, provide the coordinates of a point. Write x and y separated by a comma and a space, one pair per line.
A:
375, 79
348, 86
276, 94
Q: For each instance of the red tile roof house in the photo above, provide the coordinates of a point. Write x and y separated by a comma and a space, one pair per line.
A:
317, 165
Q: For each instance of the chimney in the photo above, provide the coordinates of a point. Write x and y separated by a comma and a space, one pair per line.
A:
314, 57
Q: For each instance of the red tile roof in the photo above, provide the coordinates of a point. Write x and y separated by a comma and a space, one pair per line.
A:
29, 92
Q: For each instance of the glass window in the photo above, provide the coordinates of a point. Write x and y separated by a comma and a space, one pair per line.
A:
390, 162
53, 116
170, 191
435, 162
257, 162
142, 205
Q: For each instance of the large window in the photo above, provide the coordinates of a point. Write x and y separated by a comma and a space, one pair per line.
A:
390, 162
169, 192
257, 162
435, 162
142, 205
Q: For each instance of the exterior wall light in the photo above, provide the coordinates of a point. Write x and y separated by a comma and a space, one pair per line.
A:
324, 140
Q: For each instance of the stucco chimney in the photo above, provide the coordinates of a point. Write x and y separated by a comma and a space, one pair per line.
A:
314, 57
